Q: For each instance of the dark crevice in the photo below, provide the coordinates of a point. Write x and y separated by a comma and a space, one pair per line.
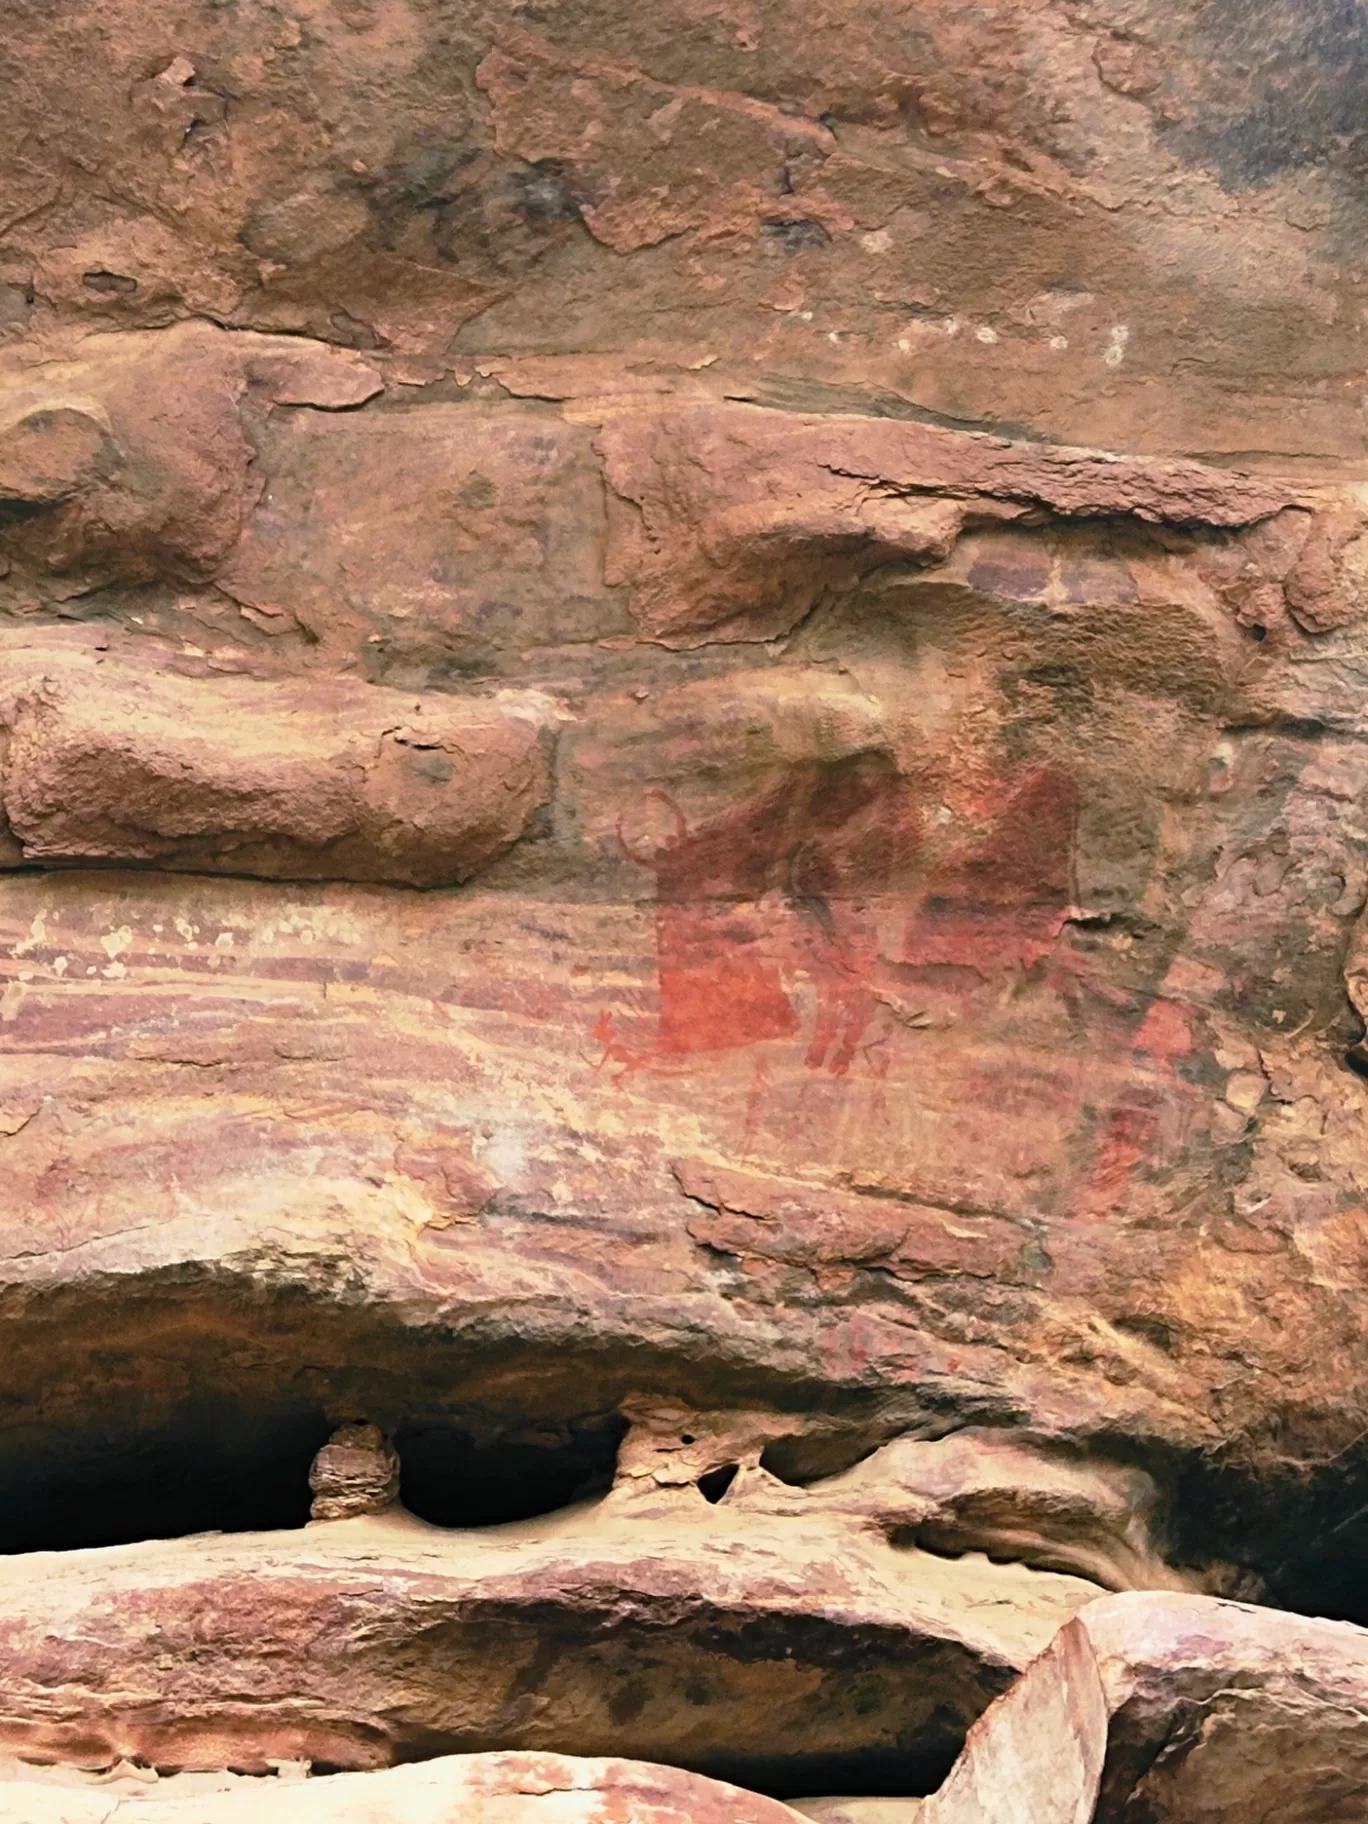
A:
101, 1444
863, 1773
883, 1715
228, 1468
110, 284
1295, 728
450, 1477
800, 1460
14, 512
1304, 1533
715, 1483
214, 1468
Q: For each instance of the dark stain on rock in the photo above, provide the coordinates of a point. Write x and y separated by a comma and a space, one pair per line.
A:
545, 193
110, 284
795, 234
1276, 86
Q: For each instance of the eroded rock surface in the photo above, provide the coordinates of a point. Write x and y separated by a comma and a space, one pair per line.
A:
355, 1473
1178, 1708
1038, 1753
480, 1788
1223, 1711
108, 764
767, 1651
682, 881
745, 520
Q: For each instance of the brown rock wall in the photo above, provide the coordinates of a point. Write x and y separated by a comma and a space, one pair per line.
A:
682, 765
115, 763
756, 1649
484, 1788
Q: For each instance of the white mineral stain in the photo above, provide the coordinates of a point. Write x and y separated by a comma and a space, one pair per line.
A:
37, 934
505, 1154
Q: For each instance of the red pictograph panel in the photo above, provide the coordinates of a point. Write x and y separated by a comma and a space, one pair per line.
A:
840, 876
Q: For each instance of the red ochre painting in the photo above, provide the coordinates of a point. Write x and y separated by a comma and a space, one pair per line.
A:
843, 874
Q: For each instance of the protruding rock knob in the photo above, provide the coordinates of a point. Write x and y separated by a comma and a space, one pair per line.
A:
356, 1472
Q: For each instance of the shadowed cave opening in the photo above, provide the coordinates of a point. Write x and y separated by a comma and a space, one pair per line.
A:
225, 1465
100, 1443
800, 1460
208, 1467
228, 1468
1303, 1531
874, 1773
714, 1483
452, 1477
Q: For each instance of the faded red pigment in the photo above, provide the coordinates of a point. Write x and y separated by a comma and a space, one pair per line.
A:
830, 875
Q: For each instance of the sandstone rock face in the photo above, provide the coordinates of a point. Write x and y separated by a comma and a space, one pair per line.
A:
1038, 1753
478, 1788
356, 1472
112, 766
1148, 1706
1222, 1711
775, 1651
682, 904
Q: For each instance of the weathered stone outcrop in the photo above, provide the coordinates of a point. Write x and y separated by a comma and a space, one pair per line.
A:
109, 762
1038, 1753
1161, 1708
996, 1492
763, 1650
745, 519
480, 1788
1221, 1712
132, 460
355, 1473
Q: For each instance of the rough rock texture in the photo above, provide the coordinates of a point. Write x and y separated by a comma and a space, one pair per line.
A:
475, 1788
355, 1473
1036, 1756
979, 1490
682, 766
745, 521
777, 1651
110, 764
1180, 1708
1223, 1712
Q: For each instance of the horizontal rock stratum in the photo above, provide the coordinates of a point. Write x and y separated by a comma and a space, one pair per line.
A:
111, 764
478, 1789
744, 1647
1157, 1705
